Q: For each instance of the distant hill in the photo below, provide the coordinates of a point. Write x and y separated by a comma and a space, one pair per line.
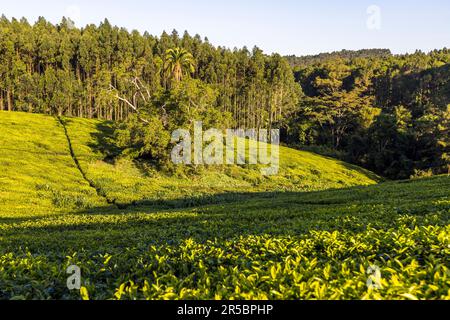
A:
344, 54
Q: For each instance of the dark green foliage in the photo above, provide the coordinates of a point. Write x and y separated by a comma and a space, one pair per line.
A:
344, 54
387, 113
57, 69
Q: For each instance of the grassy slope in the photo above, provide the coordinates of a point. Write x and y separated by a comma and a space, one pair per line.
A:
128, 182
38, 175
263, 245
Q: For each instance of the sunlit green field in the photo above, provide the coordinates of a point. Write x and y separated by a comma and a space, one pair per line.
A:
226, 233
128, 182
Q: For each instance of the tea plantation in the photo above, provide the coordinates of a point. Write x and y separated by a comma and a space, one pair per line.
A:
312, 232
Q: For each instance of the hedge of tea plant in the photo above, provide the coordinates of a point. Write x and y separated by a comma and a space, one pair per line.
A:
190, 238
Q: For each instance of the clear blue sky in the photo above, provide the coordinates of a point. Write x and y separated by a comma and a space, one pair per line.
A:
284, 26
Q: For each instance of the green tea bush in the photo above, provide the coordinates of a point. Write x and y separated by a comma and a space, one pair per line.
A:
313, 232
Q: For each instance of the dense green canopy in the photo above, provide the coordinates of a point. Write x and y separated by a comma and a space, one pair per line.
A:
388, 113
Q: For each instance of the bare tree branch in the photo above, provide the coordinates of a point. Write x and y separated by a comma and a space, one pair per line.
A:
127, 102
146, 88
139, 89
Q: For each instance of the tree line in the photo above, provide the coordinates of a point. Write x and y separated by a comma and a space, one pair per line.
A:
62, 70
295, 61
388, 113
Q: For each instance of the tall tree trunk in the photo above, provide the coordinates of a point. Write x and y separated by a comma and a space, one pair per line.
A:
8, 95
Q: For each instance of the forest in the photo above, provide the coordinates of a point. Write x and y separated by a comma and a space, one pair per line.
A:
387, 113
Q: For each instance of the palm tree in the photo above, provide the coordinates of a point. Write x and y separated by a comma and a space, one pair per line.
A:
178, 61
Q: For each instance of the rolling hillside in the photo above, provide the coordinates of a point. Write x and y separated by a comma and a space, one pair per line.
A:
310, 233
36, 160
